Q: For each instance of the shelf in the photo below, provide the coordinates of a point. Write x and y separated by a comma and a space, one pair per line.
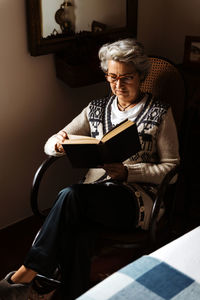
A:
77, 75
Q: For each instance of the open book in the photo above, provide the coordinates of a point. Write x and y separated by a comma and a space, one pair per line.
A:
120, 143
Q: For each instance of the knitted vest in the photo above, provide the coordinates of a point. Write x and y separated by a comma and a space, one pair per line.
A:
148, 122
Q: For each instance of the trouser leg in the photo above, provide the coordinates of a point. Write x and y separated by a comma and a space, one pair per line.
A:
43, 256
68, 232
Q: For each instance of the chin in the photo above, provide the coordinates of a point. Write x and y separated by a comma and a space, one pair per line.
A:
123, 97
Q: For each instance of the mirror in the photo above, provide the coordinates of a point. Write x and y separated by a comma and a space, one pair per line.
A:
80, 15
53, 25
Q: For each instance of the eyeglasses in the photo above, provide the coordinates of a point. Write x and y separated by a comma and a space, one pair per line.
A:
125, 79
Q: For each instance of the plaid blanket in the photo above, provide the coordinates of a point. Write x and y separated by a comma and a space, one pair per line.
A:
145, 279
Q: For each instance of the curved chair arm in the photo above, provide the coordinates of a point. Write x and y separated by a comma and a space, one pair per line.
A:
36, 184
159, 199
156, 206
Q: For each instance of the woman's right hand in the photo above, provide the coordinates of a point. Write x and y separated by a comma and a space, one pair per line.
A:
61, 137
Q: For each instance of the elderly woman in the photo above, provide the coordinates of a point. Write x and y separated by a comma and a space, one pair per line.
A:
110, 197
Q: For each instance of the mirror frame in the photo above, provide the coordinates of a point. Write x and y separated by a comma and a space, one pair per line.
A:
41, 46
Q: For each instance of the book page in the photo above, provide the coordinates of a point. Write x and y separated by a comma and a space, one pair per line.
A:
80, 139
117, 129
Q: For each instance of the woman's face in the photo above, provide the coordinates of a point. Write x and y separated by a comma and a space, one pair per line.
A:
126, 87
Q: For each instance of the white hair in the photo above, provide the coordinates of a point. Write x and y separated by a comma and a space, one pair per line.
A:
127, 51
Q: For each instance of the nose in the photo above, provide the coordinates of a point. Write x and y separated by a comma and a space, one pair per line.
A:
119, 83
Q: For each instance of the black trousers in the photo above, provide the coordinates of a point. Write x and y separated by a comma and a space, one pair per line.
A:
68, 233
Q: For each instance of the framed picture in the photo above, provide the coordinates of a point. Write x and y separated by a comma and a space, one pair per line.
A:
192, 51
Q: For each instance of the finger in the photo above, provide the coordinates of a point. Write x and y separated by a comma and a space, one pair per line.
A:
60, 138
62, 135
59, 148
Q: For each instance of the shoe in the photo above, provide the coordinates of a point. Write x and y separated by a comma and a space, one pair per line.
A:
43, 288
40, 288
14, 291
43, 285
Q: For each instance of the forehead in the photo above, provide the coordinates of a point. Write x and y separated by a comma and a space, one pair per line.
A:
120, 68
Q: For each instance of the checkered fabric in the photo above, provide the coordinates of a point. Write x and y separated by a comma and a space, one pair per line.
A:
145, 278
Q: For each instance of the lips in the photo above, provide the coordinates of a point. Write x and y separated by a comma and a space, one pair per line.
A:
120, 91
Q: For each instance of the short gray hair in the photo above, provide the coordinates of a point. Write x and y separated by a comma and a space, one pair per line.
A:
126, 50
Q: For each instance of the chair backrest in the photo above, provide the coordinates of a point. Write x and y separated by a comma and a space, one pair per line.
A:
166, 82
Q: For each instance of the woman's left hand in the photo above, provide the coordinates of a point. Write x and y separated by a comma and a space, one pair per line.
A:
116, 171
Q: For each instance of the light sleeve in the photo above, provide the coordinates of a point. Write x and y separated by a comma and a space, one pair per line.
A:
168, 153
79, 125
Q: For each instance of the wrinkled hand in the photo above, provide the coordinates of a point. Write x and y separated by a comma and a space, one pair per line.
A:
116, 171
61, 137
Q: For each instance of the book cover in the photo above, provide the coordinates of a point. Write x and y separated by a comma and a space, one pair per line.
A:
117, 145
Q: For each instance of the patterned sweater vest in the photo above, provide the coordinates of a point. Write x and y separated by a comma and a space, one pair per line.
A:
148, 122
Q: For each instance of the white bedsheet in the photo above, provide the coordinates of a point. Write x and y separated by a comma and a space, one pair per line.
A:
183, 254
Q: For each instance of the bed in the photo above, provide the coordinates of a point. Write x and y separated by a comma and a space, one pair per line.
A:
171, 272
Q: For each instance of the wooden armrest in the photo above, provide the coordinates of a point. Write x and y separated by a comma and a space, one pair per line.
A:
159, 199
36, 184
